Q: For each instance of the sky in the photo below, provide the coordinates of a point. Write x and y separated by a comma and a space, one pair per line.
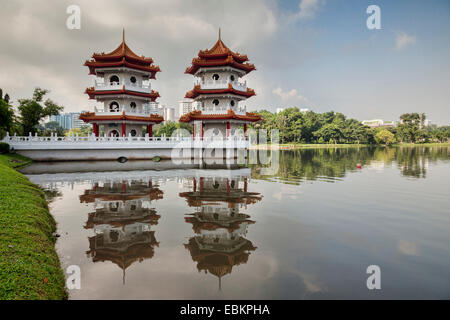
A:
316, 54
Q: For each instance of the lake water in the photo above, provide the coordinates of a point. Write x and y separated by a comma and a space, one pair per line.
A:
308, 230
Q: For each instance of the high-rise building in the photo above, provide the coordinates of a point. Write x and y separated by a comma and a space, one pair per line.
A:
184, 106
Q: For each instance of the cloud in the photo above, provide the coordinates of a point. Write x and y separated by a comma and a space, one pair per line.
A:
288, 95
307, 9
402, 40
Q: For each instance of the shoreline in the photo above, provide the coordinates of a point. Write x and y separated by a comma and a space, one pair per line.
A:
30, 267
294, 146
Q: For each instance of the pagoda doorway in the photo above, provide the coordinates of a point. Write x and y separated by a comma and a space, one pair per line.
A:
114, 133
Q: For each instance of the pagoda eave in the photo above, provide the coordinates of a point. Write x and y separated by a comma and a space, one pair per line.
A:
94, 65
194, 93
247, 68
92, 117
153, 95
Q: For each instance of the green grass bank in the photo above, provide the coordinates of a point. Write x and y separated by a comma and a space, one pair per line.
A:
29, 264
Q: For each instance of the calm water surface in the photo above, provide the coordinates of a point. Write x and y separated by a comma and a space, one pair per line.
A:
309, 231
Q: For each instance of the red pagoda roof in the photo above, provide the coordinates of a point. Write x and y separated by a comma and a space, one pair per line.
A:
194, 93
152, 95
230, 115
91, 116
122, 56
220, 55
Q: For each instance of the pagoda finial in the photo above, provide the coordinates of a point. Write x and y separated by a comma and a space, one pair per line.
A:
219, 34
123, 34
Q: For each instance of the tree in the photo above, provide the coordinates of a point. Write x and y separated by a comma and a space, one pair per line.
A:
7, 118
33, 110
169, 127
385, 137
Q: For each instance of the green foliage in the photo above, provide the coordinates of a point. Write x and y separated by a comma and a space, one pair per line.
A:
34, 109
4, 147
7, 119
169, 127
385, 137
311, 127
29, 264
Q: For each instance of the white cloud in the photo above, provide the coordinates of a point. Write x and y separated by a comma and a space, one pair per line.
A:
288, 95
307, 9
403, 39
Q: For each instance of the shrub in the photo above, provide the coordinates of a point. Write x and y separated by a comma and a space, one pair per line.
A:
4, 147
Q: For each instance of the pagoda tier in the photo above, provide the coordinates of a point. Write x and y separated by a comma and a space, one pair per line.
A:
197, 91
98, 117
122, 57
95, 93
220, 56
230, 115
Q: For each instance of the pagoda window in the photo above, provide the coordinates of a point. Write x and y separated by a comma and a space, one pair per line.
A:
216, 102
232, 78
114, 107
133, 133
216, 185
133, 106
215, 76
133, 80
216, 132
114, 133
114, 80
114, 235
232, 103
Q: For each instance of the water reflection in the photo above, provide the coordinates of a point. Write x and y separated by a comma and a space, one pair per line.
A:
332, 164
122, 222
220, 228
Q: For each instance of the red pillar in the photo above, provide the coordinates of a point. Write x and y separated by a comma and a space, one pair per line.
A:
124, 129
95, 129
150, 130
245, 131
124, 186
245, 184
228, 129
201, 184
195, 185
228, 186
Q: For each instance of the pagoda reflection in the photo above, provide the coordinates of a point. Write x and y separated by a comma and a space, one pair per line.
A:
220, 228
122, 222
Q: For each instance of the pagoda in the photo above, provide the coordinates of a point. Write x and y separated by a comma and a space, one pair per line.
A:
220, 227
123, 87
122, 222
219, 92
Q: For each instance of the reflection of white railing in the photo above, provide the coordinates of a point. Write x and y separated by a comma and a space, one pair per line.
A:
106, 86
222, 84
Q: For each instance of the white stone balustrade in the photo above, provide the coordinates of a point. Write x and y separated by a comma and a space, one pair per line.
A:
106, 86
222, 84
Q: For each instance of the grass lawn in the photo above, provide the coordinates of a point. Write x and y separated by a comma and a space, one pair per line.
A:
29, 264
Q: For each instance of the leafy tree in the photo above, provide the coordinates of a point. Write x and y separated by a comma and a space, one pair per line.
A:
7, 118
34, 109
169, 127
385, 137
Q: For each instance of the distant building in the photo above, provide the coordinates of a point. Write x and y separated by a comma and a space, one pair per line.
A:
304, 110
185, 106
374, 123
67, 120
169, 114
279, 110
